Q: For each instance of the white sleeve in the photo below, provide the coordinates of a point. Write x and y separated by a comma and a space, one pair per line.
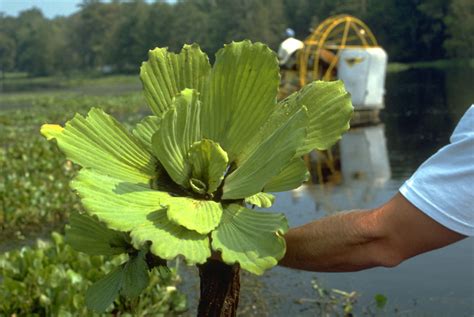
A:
443, 186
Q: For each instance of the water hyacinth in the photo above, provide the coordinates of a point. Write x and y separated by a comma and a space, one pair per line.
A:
181, 182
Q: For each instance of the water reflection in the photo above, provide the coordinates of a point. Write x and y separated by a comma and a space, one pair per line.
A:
364, 156
422, 108
365, 165
361, 168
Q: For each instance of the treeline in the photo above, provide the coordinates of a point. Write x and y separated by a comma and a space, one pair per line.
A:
116, 35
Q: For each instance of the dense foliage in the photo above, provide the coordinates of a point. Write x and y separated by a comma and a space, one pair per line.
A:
410, 30
34, 175
50, 279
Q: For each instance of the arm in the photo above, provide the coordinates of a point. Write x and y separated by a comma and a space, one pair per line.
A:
357, 240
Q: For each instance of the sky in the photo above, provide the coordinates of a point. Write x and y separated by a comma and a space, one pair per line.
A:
50, 8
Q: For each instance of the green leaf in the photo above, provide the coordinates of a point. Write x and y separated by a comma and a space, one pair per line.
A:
86, 234
198, 186
253, 239
103, 292
145, 130
170, 240
116, 202
165, 74
291, 177
102, 143
179, 129
208, 163
135, 275
129, 280
242, 92
136, 208
380, 301
329, 110
202, 216
263, 200
268, 159
275, 120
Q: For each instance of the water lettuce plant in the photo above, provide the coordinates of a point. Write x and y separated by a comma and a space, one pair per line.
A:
182, 181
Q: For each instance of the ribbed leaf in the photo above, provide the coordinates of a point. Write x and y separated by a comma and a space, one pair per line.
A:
242, 92
116, 202
135, 276
136, 208
208, 163
165, 74
276, 119
129, 280
178, 130
291, 177
268, 159
202, 216
253, 239
103, 292
86, 234
263, 200
170, 240
145, 130
102, 143
329, 110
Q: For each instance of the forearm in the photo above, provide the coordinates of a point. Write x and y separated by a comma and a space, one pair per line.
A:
342, 242
357, 240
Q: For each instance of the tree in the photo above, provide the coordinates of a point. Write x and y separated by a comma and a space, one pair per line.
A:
460, 29
191, 24
35, 43
7, 44
432, 28
301, 16
92, 32
262, 21
396, 26
66, 58
160, 26
129, 45
117, 33
7, 53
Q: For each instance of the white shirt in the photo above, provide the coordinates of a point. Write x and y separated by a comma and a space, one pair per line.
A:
443, 186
